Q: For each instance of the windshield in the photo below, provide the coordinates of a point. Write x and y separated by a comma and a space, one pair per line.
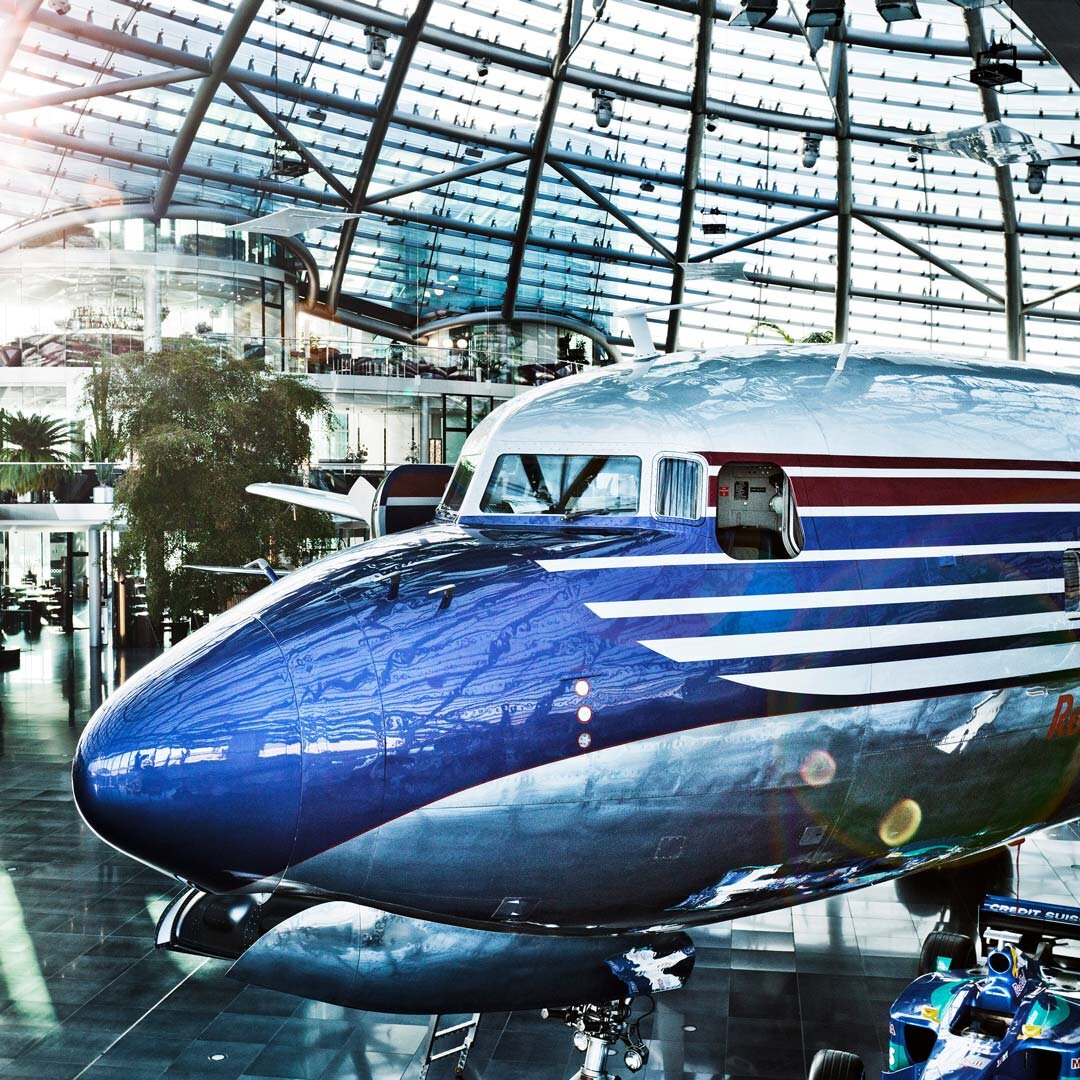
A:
563, 484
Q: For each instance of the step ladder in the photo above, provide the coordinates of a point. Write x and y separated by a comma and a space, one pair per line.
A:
450, 1034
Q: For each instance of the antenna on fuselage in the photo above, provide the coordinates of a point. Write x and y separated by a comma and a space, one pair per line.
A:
637, 319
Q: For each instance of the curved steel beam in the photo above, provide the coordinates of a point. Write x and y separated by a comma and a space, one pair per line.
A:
227, 48
541, 318
89, 215
384, 116
692, 165
541, 143
344, 317
105, 89
14, 29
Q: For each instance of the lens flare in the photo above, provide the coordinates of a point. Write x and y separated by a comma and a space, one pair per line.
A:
818, 768
900, 823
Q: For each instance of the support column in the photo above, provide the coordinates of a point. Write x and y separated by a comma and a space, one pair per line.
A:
1014, 276
93, 578
844, 190
152, 311
425, 429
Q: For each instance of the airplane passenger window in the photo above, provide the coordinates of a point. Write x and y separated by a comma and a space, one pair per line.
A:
1072, 583
459, 484
678, 488
756, 515
571, 485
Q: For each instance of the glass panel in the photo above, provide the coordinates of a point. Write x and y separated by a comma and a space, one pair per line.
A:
678, 488
459, 484
561, 484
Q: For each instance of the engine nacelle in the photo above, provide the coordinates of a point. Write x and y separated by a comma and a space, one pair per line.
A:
364, 958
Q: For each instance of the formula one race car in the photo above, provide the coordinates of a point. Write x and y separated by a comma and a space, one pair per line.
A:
1016, 1017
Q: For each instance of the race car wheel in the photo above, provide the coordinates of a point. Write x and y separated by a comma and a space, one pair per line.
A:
836, 1065
944, 950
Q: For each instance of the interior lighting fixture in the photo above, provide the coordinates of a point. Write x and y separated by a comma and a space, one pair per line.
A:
602, 107
461, 343
811, 150
713, 223
483, 65
753, 13
317, 114
710, 121
61, 7
996, 67
376, 48
824, 14
897, 10
1036, 176
647, 186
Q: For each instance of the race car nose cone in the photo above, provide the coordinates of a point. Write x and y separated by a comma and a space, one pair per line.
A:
194, 766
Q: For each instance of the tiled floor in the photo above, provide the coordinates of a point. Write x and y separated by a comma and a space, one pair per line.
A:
83, 993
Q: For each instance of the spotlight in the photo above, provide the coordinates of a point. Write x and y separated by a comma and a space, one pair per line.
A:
602, 102
811, 150
897, 10
482, 67
913, 156
376, 48
825, 14
61, 7
635, 1058
1036, 176
461, 344
996, 67
648, 186
753, 13
317, 114
710, 121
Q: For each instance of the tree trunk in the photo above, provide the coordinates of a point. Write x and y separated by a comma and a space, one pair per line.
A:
157, 582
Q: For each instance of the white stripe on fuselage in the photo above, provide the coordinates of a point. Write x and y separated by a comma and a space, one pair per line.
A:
929, 511
688, 650
630, 562
724, 605
904, 675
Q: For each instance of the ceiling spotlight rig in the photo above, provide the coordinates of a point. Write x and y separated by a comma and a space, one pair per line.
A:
376, 47
811, 150
286, 161
483, 66
897, 10
824, 14
1036, 176
997, 67
602, 107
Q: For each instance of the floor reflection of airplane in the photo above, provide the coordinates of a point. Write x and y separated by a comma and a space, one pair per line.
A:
686, 640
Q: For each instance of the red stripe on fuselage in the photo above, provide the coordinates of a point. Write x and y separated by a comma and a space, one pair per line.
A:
850, 461
930, 491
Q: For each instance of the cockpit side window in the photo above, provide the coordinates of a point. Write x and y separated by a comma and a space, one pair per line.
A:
679, 488
459, 484
756, 515
572, 485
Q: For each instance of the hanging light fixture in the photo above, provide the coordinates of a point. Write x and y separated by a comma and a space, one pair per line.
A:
897, 10
376, 47
753, 13
811, 150
824, 14
602, 107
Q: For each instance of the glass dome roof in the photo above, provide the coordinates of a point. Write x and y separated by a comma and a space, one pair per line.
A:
485, 183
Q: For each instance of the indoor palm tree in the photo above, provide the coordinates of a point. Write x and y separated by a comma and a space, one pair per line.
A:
32, 446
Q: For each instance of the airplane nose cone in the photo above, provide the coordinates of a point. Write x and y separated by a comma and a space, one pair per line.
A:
194, 765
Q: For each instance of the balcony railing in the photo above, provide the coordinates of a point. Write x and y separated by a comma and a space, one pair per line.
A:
310, 356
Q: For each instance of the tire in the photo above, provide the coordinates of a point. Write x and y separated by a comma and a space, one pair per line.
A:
944, 950
836, 1065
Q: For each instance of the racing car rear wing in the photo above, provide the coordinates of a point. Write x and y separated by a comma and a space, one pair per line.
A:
1038, 929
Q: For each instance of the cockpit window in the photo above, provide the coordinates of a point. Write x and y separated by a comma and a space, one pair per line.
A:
459, 484
575, 485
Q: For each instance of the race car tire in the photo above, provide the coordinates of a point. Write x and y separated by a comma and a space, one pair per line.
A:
836, 1065
945, 945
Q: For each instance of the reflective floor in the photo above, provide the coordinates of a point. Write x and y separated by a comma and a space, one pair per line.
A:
83, 993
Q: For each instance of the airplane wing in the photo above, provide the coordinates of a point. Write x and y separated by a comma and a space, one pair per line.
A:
355, 506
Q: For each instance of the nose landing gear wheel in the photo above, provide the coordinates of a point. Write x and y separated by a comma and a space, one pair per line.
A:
836, 1065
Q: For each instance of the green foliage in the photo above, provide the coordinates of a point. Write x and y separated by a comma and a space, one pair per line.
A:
32, 438
201, 427
105, 444
817, 337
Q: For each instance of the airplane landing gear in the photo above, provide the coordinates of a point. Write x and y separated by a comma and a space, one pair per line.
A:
598, 1030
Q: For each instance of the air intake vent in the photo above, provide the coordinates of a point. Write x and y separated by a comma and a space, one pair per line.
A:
1072, 582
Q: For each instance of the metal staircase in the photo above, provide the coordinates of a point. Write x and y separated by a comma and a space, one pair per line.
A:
449, 1034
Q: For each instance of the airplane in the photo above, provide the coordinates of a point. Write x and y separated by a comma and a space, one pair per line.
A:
688, 638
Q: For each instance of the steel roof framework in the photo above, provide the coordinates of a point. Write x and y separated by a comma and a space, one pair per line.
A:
535, 229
